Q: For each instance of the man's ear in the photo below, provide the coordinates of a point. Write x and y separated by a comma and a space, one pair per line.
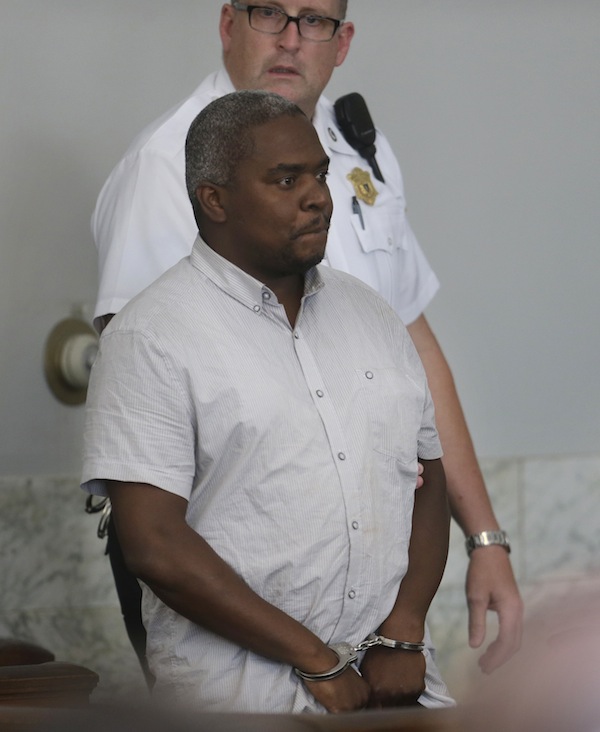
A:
225, 25
344, 38
210, 201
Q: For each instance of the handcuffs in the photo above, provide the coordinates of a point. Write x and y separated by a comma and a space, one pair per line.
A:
102, 507
347, 654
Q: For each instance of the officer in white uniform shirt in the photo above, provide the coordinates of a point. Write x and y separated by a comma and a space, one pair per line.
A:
143, 224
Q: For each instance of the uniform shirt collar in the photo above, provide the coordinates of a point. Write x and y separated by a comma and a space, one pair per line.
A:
325, 124
223, 83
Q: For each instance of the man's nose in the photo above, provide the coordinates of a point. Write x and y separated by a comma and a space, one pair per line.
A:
290, 37
318, 197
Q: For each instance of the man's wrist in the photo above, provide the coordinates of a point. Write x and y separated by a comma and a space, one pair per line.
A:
312, 657
487, 538
401, 645
346, 655
407, 625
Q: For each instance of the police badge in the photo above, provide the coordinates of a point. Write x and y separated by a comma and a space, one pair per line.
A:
363, 186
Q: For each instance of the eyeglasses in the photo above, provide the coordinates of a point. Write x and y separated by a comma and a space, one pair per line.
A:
274, 21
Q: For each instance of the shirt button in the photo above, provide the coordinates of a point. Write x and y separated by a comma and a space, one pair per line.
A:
257, 308
341, 456
296, 336
369, 374
320, 394
352, 594
266, 295
355, 525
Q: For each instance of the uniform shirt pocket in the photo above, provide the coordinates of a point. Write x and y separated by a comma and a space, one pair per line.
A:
380, 228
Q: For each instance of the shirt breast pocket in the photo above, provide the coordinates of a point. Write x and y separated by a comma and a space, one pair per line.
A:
394, 405
380, 228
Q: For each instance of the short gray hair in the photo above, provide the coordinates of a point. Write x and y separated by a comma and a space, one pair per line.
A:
220, 136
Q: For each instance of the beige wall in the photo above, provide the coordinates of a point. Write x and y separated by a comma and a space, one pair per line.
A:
493, 110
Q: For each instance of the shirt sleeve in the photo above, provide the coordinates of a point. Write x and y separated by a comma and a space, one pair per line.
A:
142, 225
428, 441
139, 425
429, 446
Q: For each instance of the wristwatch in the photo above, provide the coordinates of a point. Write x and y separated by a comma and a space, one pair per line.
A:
487, 538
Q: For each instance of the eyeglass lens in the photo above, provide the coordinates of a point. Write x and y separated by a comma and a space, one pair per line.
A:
272, 20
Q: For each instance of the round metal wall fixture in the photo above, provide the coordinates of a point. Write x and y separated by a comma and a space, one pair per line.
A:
70, 352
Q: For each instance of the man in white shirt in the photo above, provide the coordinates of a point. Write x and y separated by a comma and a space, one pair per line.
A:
256, 421
143, 224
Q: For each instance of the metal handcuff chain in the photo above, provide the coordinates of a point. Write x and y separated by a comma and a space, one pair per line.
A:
348, 654
103, 507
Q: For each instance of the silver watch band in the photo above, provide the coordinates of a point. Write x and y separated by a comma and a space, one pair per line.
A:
487, 538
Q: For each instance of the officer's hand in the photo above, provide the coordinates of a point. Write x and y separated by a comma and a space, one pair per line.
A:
491, 586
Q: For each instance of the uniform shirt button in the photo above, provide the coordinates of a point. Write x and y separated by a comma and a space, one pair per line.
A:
266, 295
341, 456
320, 394
355, 525
257, 308
352, 594
369, 374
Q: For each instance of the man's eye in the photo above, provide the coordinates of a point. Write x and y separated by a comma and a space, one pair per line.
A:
287, 181
268, 12
322, 176
313, 20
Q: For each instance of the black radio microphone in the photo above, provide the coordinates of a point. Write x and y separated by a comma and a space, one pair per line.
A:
355, 122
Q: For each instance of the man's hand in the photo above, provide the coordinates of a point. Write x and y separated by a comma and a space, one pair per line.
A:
420, 480
491, 586
396, 678
348, 692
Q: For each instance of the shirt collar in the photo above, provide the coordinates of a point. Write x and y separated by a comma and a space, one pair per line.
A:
239, 284
222, 83
330, 135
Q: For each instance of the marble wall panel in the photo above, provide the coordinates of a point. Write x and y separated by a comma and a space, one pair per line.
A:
561, 531
56, 587
50, 554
